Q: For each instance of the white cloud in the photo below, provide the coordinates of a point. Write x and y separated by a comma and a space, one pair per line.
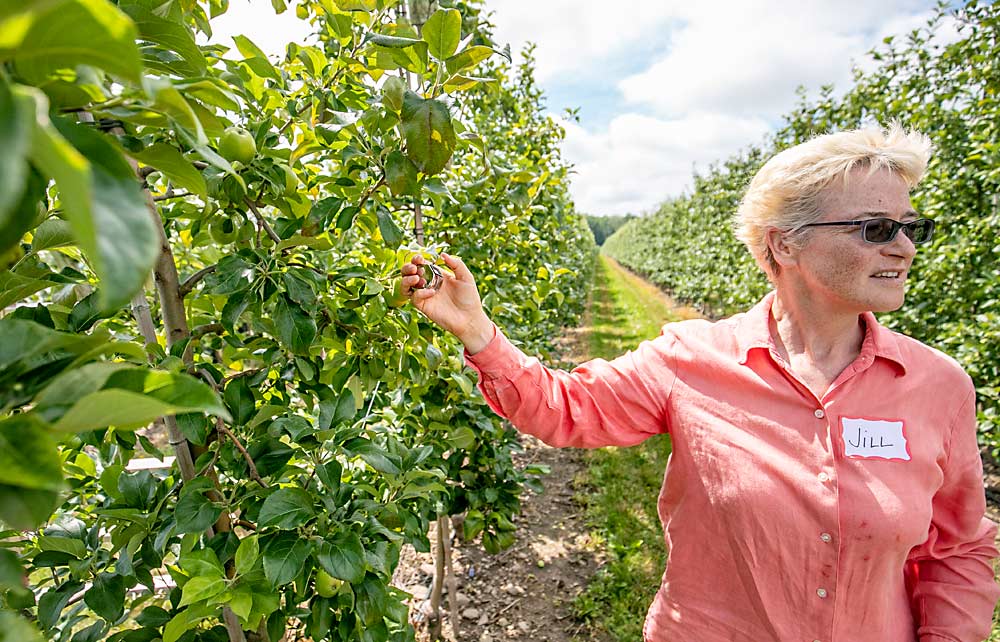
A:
572, 35
639, 160
750, 57
728, 72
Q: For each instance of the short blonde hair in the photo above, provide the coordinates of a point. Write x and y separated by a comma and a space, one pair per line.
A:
786, 192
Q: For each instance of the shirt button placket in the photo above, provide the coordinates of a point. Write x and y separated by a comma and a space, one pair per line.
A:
823, 477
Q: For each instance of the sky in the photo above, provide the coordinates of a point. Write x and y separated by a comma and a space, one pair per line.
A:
663, 87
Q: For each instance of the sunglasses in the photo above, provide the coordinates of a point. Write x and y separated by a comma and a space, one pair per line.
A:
883, 230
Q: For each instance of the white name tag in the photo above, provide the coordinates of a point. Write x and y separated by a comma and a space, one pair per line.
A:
874, 438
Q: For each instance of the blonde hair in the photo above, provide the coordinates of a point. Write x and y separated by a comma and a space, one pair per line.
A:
786, 192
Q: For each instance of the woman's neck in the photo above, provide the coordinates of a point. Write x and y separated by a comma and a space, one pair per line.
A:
805, 328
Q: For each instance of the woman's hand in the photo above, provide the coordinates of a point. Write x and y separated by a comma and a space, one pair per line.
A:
456, 306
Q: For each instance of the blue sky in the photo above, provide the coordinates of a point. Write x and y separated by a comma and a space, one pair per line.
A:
662, 86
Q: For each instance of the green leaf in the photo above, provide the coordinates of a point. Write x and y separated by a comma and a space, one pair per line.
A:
247, 555
28, 455
186, 620
467, 58
167, 35
102, 201
73, 546
296, 329
241, 601
201, 588
387, 227
107, 596
336, 410
174, 166
168, 101
240, 400
232, 275
11, 571
51, 234
299, 286
14, 628
137, 489
400, 175
392, 93
195, 513
25, 509
429, 134
473, 524
202, 561
162, 394
343, 556
330, 473
373, 455
392, 42
51, 604
443, 31
15, 137
14, 287
89, 32
256, 59
286, 509
212, 91
458, 82
284, 555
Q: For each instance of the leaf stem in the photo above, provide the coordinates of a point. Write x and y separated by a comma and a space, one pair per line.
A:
220, 426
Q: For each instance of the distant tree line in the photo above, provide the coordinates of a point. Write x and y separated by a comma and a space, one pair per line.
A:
605, 226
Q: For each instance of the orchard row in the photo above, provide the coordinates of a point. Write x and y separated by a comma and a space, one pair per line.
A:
317, 426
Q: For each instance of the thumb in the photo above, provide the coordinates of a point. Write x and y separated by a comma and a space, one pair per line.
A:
462, 273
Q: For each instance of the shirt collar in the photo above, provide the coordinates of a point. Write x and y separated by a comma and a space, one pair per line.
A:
753, 331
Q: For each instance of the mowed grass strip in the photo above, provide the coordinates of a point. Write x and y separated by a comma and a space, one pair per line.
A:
622, 485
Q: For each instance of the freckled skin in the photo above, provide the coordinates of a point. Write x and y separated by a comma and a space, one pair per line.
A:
837, 263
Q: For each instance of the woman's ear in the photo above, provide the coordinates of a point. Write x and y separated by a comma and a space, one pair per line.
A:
784, 253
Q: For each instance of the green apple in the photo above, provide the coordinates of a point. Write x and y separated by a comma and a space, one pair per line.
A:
326, 584
237, 145
226, 230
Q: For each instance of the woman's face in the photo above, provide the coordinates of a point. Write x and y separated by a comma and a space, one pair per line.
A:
839, 266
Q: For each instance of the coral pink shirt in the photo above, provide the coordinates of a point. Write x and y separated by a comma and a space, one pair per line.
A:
852, 518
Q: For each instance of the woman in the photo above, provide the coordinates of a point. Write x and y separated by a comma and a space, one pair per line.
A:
825, 482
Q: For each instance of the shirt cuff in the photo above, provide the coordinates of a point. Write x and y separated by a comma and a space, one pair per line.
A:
498, 357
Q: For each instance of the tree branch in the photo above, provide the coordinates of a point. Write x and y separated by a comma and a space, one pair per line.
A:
371, 190
193, 280
169, 194
208, 328
263, 222
254, 475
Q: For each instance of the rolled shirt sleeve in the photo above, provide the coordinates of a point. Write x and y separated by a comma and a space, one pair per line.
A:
600, 403
952, 587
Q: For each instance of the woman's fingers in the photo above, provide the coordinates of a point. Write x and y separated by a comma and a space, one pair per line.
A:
458, 267
423, 293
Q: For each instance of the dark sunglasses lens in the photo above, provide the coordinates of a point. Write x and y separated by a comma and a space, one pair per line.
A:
880, 230
920, 231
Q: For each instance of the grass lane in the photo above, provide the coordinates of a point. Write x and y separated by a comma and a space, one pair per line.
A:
623, 483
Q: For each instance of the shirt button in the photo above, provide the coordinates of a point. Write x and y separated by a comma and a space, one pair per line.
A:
825, 537
823, 477
821, 592
819, 413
